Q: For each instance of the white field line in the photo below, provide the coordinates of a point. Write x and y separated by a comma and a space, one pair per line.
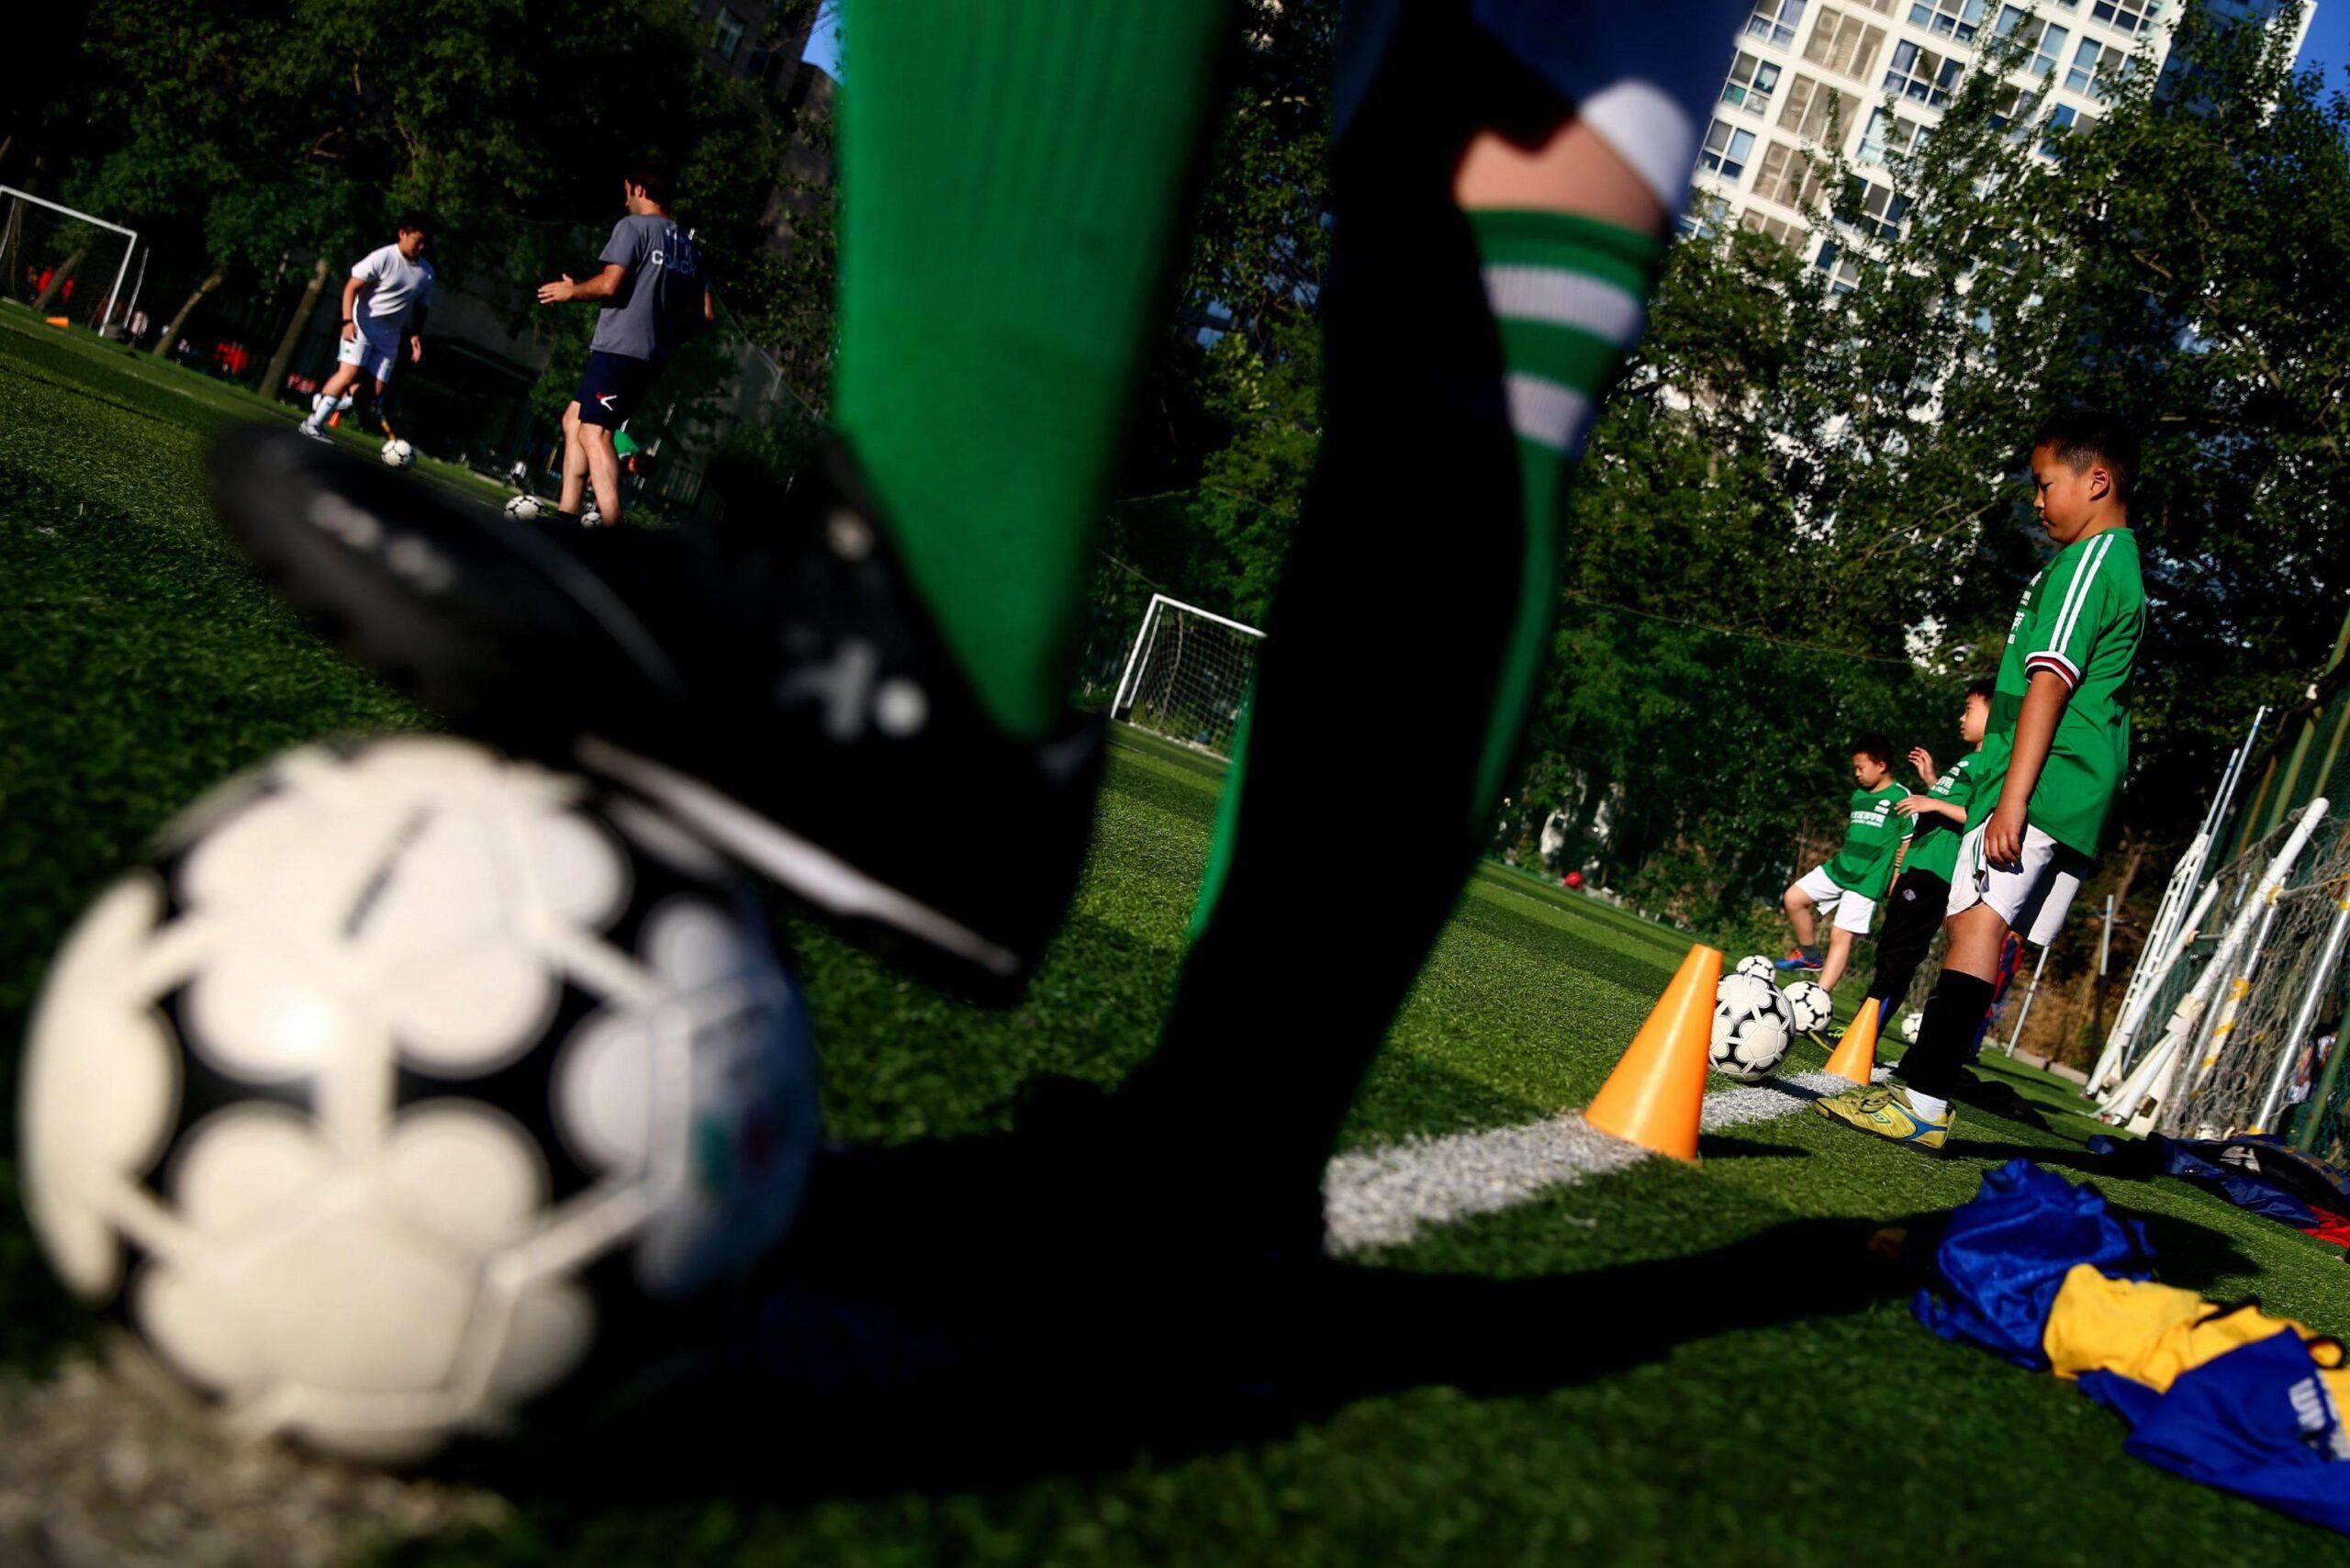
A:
1385, 1197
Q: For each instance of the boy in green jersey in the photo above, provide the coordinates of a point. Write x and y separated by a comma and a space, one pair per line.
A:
2050, 762
1929, 854
1851, 883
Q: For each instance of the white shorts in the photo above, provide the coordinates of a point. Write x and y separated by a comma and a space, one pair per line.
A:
2031, 898
376, 355
1853, 911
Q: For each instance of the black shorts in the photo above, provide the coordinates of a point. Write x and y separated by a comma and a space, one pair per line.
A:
611, 387
1913, 912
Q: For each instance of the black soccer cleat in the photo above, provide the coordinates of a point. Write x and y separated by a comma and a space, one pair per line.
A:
785, 695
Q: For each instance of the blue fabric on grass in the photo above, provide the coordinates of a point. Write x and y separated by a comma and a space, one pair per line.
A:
2003, 1255
2257, 1421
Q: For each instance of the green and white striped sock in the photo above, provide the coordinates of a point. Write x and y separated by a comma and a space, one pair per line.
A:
1569, 295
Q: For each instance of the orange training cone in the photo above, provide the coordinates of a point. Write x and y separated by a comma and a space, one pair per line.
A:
1855, 1056
1657, 1089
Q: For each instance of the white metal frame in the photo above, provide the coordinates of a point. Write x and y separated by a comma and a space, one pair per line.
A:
1146, 638
114, 296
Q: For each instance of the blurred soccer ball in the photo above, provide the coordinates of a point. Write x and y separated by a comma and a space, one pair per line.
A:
1752, 1028
1810, 1006
397, 454
399, 1079
1911, 1021
1757, 967
526, 509
590, 515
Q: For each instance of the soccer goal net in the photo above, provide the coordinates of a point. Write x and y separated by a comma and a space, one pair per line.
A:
65, 264
1188, 675
2251, 986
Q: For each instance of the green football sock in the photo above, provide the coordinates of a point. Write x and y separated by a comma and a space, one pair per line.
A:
1569, 295
1011, 172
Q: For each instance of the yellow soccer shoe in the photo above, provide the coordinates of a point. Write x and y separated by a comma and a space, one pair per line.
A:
1886, 1111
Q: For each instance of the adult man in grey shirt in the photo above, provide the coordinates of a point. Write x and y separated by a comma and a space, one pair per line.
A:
654, 293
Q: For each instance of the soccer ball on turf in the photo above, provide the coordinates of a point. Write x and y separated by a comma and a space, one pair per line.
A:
590, 515
1810, 1006
1752, 1028
1911, 1021
402, 1077
1756, 966
526, 509
397, 454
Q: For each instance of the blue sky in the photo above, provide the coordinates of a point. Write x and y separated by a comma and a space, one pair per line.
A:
2329, 40
823, 50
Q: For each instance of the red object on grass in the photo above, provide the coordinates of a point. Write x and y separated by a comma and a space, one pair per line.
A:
1573, 880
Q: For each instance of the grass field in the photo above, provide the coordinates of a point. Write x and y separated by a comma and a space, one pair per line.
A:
139, 662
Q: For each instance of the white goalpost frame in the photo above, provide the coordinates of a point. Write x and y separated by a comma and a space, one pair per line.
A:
2170, 919
2337, 935
2143, 1092
1147, 641
114, 296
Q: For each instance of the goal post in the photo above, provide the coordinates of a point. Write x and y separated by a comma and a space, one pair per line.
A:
1188, 675
63, 262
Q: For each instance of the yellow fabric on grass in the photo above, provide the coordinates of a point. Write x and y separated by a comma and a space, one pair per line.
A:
2152, 1333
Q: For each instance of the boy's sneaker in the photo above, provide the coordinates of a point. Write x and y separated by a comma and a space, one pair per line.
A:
1800, 960
784, 695
1886, 1111
314, 432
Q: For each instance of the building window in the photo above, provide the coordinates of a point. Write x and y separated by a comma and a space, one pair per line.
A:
1787, 177
1843, 44
2126, 16
2094, 66
727, 37
2044, 41
1754, 221
1727, 149
1844, 272
1706, 215
1951, 19
2063, 121
1775, 21
1751, 82
1812, 111
1888, 136
1921, 74
1876, 209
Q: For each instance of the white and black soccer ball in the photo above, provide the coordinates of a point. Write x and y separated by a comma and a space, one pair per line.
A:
397, 454
1810, 1005
1911, 1022
527, 509
1754, 966
402, 1077
1752, 1028
590, 515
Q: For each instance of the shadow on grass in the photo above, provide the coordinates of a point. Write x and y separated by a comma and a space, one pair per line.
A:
936, 1326
1714, 1146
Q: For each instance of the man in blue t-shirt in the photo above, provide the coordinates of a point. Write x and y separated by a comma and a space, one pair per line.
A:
654, 293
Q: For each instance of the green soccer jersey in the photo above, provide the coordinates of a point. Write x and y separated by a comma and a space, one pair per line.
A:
1865, 863
2083, 618
1933, 840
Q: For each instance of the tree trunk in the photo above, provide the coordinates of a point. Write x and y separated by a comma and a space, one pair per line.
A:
212, 280
61, 277
272, 380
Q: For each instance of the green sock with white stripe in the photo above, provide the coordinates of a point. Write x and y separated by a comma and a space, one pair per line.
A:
1569, 295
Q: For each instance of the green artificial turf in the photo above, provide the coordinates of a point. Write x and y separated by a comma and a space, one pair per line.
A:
139, 663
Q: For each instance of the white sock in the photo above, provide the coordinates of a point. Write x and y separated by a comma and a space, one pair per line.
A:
342, 404
1927, 1106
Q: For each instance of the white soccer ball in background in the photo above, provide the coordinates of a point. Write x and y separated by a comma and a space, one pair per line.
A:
400, 1078
527, 509
1910, 1023
1752, 1028
397, 454
590, 515
1756, 966
1809, 1004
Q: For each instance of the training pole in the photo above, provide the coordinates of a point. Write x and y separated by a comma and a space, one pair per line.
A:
2305, 1016
2030, 992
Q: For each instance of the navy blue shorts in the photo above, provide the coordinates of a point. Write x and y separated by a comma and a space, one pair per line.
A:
611, 387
